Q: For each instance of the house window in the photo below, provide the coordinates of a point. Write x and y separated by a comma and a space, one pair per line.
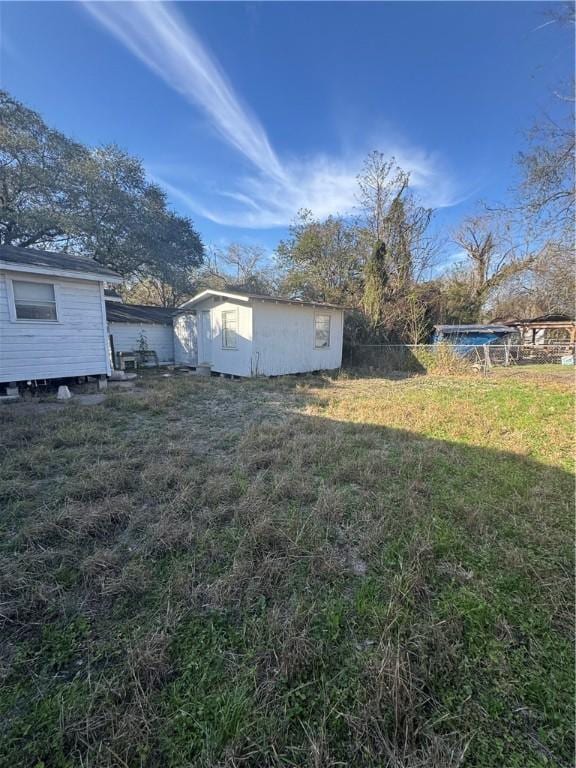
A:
229, 329
321, 331
34, 301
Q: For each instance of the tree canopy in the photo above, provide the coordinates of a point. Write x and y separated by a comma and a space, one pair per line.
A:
58, 194
322, 260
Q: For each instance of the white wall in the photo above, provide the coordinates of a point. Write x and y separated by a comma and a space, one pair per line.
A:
186, 339
160, 338
237, 362
76, 345
284, 339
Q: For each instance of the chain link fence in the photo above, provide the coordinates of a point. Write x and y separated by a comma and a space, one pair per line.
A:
420, 358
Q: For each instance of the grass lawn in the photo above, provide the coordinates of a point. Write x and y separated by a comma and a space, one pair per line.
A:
296, 572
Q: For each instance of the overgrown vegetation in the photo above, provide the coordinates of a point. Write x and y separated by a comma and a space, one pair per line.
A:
300, 572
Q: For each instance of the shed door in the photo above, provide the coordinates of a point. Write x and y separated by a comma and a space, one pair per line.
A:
205, 350
185, 339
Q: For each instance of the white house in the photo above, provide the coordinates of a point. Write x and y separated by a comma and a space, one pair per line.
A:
246, 334
52, 316
132, 327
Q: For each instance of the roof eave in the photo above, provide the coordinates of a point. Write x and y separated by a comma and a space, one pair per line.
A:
111, 277
211, 292
546, 324
138, 321
247, 298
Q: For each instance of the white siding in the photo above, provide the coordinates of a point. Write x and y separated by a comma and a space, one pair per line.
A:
186, 339
237, 362
76, 345
160, 338
284, 339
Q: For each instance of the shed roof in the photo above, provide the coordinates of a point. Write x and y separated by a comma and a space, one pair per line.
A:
32, 260
549, 318
245, 296
138, 313
473, 328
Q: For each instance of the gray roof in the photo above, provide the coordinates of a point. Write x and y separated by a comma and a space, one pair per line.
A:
260, 297
138, 313
549, 318
473, 328
287, 300
30, 257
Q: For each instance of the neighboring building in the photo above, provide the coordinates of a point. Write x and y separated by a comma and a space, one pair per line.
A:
472, 335
52, 315
547, 329
246, 334
134, 327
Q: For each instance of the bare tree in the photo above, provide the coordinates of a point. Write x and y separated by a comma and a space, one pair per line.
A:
493, 256
548, 286
545, 201
379, 182
416, 325
563, 14
547, 192
238, 266
243, 261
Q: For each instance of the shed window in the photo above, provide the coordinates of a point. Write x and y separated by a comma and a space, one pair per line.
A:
229, 329
34, 301
321, 331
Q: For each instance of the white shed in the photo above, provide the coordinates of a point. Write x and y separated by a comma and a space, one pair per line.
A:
246, 334
52, 315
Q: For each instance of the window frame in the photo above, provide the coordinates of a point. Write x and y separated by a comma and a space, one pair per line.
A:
12, 299
223, 329
318, 315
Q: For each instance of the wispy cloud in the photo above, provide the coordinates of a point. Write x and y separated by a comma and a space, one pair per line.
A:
162, 40
324, 185
158, 36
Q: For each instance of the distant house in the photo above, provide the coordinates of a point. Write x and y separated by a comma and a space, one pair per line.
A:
547, 329
247, 334
132, 327
52, 315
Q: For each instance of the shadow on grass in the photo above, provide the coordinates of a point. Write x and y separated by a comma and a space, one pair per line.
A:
326, 593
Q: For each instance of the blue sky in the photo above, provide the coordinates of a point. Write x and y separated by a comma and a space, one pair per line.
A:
246, 112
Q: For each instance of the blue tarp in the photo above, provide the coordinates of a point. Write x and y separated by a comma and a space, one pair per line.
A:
464, 340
